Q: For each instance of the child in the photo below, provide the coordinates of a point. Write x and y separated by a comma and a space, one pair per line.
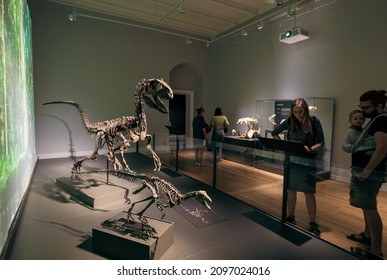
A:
356, 120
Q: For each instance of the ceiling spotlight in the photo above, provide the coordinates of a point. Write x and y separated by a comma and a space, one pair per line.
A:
260, 25
279, 2
188, 41
72, 17
244, 32
181, 8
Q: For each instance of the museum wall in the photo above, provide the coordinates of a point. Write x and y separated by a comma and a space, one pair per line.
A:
344, 57
98, 65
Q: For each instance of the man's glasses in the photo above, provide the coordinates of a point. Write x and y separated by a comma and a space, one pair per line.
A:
366, 107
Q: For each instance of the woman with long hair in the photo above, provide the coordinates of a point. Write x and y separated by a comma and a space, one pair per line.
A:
302, 127
219, 123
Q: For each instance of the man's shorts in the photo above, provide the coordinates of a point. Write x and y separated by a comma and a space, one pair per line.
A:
363, 194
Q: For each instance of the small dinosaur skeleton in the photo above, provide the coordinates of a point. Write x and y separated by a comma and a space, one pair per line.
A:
272, 119
126, 129
253, 126
312, 110
164, 193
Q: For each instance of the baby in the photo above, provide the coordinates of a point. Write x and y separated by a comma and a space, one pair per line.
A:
356, 120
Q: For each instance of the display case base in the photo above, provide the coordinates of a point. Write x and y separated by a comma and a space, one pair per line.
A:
117, 239
93, 190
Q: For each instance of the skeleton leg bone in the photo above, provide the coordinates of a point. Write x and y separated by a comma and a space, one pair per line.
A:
130, 217
155, 157
124, 146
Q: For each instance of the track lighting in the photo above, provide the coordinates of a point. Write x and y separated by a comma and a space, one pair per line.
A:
188, 41
181, 8
260, 25
73, 16
279, 2
244, 32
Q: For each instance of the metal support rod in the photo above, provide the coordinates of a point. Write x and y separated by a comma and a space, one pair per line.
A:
177, 153
285, 188
107, 173
154, 142
214, 156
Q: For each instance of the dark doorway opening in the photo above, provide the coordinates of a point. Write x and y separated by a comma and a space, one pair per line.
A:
177, 112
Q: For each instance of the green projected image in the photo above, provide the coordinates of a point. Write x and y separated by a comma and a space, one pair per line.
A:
17, 131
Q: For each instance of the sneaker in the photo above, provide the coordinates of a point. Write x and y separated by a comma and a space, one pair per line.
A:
314, 228
291, 219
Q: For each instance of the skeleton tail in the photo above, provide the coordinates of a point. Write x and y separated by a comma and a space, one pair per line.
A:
90, 127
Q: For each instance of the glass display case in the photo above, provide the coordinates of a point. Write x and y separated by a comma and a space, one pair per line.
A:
273, 112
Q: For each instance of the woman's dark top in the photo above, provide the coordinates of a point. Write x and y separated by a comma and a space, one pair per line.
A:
198, 124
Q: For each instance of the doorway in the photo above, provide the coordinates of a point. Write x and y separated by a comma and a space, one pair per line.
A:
177, 113
181, 116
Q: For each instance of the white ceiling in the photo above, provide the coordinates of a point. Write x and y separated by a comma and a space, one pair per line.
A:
205, 20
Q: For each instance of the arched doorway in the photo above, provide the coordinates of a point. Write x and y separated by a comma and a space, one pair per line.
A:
185, 82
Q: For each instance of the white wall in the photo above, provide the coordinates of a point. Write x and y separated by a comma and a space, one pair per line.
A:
98, 64
344, 57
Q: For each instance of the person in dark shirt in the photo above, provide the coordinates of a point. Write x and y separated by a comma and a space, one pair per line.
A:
368, 173
200, 129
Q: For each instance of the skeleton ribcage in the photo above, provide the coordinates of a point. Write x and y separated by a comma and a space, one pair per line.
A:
168, 195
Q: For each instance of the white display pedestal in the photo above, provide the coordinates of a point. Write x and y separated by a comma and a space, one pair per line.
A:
92, 189
114, 239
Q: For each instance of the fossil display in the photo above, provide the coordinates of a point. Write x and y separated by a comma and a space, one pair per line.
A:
163, 193
127, 129
253, 127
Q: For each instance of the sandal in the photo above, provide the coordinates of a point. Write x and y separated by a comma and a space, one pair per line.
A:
365, 254
362, 239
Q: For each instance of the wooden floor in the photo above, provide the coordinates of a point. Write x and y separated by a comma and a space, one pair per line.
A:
263, 190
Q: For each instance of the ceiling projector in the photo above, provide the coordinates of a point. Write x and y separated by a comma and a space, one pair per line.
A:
293, 35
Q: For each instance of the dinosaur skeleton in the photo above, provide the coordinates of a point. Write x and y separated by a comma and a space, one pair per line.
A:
312, 110
253, 126
272, 119
164, 193
127, 129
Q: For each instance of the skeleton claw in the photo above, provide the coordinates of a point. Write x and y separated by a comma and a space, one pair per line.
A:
148, 231
143, 220
128, 170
